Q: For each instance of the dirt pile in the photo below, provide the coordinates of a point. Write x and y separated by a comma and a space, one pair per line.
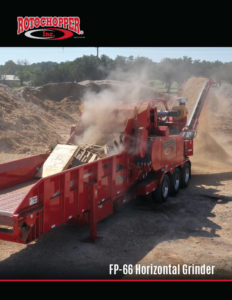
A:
31, 123
58, 91
212, 145
131, 91
207, 146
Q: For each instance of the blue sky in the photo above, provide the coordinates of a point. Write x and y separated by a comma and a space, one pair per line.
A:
61, 54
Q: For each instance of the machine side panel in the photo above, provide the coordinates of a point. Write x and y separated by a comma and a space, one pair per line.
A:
166, 151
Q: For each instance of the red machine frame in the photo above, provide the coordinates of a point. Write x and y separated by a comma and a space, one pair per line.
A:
88, 193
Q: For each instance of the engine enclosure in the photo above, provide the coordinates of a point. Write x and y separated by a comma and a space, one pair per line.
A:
166, 150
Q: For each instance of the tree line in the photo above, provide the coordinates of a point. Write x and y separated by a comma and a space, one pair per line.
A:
168, 71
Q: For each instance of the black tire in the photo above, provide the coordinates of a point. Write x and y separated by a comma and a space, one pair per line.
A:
163, 190
175, 182
185, 175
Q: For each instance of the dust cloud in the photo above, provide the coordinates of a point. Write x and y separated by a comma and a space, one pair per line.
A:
105, 113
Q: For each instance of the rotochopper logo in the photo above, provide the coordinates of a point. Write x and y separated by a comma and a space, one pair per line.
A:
49, 28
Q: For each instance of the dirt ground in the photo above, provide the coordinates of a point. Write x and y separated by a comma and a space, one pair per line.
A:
191, 228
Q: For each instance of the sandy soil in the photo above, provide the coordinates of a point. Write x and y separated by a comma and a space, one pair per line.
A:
192, 228
32, 120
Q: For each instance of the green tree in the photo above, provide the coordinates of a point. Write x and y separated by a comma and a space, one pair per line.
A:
9, 68
23, 75
167, 72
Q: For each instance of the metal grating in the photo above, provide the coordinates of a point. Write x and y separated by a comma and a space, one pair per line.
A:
11, 197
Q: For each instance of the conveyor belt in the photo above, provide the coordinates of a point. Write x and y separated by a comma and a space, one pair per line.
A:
11, 197
190, 132
197, 107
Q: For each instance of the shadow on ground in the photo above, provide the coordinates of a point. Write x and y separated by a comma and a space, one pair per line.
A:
128, 235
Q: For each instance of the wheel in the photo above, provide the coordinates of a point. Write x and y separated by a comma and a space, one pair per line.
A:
175, 181
162, 192
185, 175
